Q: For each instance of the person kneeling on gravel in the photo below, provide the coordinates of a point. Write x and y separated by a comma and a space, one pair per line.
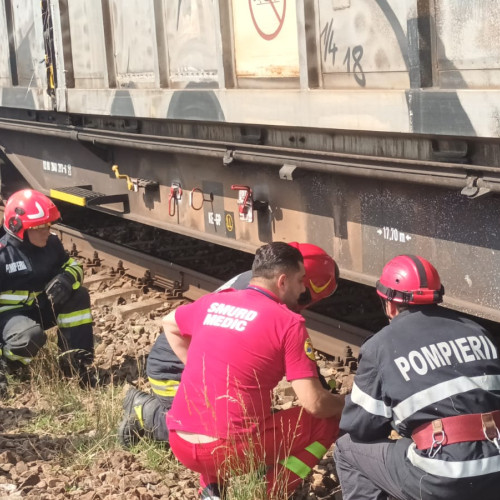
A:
241, 344
144, 414
433, 375
40, 287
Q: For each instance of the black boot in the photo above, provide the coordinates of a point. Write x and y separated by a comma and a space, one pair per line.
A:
210, 492
88, 377
135, 421
78, 365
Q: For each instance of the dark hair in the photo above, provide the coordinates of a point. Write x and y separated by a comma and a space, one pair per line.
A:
404, 307
275, 258
400, 307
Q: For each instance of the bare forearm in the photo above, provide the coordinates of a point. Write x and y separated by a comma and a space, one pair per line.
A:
316, 400
178, 343
326, 405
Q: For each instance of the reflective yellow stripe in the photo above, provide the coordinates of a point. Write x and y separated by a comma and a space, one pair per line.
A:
17, 298
71, 271
300, 468
13, 297
296, 466
74, 268
138, 412
317, 449
167, 388
73, 319
14, 357
9, 308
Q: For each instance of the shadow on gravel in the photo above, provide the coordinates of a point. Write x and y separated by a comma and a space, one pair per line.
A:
10, 418
126, 369
28, 447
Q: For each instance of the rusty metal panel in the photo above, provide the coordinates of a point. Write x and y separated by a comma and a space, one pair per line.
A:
265, 39
134, 40
193, 42
459, 236
468, 45
363, 44
362, 222
87, 44
5, 76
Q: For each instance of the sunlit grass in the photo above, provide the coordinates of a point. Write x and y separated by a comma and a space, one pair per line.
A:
251, 486
86, 422
156, 456
87, 418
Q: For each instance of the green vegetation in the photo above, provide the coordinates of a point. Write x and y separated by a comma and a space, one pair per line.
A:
83, 423
86, 418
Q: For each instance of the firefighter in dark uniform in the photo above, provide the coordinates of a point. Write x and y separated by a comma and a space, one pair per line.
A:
40, 287
145, 413
433, 375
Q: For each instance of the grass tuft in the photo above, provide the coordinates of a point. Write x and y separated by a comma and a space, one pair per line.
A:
85, 422
87, 418
157, 456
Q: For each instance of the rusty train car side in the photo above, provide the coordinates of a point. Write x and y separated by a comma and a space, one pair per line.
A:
368, 127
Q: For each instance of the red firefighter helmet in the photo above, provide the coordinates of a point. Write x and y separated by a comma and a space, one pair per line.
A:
27, 209
322, 273
410, 279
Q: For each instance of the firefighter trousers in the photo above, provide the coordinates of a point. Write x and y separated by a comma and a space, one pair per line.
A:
22, 331
381, 470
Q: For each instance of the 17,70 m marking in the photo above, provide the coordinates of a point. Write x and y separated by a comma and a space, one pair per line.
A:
393, 234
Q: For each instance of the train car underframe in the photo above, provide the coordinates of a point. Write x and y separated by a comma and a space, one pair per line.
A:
363, 197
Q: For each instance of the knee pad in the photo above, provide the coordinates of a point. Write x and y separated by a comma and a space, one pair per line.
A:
24, 343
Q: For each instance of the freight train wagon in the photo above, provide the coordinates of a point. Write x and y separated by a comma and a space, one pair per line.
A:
368, 127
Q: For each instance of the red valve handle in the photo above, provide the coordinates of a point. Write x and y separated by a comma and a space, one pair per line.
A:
243, 207
172, 199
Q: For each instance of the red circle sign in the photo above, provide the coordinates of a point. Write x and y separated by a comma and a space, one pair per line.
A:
269, 13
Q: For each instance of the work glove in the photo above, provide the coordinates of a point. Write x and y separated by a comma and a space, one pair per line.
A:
59, 289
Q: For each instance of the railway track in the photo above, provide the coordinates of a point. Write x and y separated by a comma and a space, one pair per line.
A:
330, 336
130, 292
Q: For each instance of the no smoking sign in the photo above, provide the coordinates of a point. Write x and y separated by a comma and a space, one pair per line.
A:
268, 17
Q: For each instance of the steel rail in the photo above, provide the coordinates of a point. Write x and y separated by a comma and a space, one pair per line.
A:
328, 335
445, 174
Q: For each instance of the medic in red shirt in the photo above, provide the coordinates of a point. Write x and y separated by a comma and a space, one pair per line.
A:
237, 345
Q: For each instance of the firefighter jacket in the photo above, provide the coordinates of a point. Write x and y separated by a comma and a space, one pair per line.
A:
429, 363
25, 271
163, 367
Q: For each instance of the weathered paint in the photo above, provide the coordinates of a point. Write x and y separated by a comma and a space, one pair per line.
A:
5, 75
361, 222
468, 43
265, 38
28, 42
373, 56
373, 73
193, 42
359, 47
134, 42
88, 44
